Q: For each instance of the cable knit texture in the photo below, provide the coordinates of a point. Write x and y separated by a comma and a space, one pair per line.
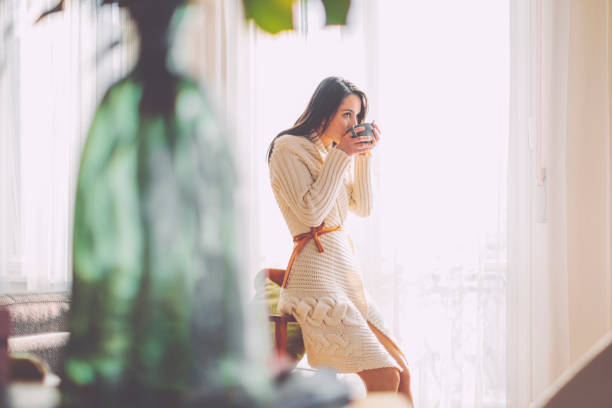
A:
325, 290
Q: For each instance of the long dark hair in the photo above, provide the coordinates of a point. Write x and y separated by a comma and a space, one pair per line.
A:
322, 106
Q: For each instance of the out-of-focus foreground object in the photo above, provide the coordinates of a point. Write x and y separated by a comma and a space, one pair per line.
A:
274, 16
156, 313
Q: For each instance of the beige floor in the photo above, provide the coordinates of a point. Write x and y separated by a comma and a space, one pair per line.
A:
381, 399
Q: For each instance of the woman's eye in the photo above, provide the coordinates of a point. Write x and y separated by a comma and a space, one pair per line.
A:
347, 115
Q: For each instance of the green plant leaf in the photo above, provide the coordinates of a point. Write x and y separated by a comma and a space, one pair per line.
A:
270, 15
336, 11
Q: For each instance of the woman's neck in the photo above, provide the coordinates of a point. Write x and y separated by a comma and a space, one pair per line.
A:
326, 140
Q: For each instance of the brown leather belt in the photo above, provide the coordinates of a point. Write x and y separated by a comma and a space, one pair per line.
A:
301, 240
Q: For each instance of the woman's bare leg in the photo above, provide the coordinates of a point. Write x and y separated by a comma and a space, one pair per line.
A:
386, 379
404, 384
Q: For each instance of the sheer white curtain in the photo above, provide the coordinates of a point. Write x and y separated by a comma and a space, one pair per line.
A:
560, 286
439, 268
53, 75
434, 251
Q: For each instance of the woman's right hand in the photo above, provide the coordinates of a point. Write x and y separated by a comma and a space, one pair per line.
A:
355, 145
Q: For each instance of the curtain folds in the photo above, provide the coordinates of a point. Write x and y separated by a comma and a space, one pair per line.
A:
560, 287
53, 74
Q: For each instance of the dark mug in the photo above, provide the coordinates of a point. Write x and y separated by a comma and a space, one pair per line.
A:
367, 131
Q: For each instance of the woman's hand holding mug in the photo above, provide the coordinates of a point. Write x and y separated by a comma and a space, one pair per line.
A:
360, 139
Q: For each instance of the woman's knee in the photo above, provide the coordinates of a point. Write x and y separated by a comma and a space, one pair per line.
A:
381, 379
393, 378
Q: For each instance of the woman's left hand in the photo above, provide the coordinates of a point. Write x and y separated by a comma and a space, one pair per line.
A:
375, 139
377, 132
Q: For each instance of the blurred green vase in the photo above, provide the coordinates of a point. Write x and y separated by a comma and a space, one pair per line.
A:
156, 318
156, 308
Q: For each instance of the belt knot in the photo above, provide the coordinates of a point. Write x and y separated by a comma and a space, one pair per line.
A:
314, 233
301, 240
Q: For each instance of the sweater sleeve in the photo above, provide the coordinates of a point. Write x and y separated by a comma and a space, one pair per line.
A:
310, 200
361, 192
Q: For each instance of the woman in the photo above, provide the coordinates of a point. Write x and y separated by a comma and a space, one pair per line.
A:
323, 288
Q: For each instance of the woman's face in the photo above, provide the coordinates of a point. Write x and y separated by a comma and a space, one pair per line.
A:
344, 118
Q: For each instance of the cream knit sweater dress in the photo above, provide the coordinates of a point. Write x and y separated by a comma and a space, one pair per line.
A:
325, 290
